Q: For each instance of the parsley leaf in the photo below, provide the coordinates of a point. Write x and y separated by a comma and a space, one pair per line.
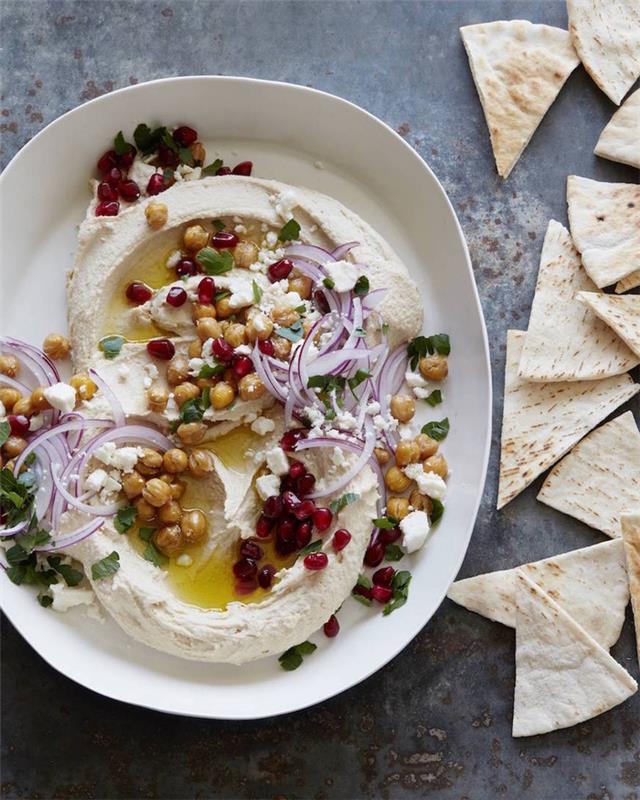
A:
336, 506
16, 495
152, 554
215, 262
422, 345
361, 287
205, 398
289, 232
209, 370
111, 346
186, 156
434, 399
393, 552
120, 144
400, 586
437, 511
329, 283
125, 518
312, 547
385, 523
222, 294
326, 383
147, 140
437, 430
108, 565
146, 533
5, 432
360, 376
72, 576
191, 410
45, 600
364, 582
257, 292
208, 172
293, 333
294, 656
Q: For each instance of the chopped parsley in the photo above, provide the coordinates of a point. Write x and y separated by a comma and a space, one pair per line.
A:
211, 370
16, 496
293, 333
191, 410
336, 506
327, 383
361, 287
111, 346
360, 376
152, 554
222, 294
434, 399
289, 232
400, 586
23, 563
218, 224
205, 398
107, 566
437, 430
428, 345
437, 511
45, 600
393, 552
257, 292
385, 523
293, 657
121, 145
72, 576
124, 519
146, 533
329, 283
209, 171
5, 432
366, 583
215, 262
312, 547
147, 140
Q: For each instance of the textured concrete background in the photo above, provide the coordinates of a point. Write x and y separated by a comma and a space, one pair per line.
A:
436, 721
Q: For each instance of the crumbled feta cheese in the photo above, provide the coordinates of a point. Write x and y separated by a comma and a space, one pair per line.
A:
61, 396
35, 423
268, 485
195, 365
314, 415
125, 458
284, 203
184, 560
271, 238
337, 457
261, 323
346, 421
421, 393
428, 482
66, 597
3, 411
386, 423
173, 259
414, 379
406, 432
277, 461
344, 274
151, 373
105, 452
242, 296
263, 425
415, 528
373, 408
111, 484
243, 350
95, 480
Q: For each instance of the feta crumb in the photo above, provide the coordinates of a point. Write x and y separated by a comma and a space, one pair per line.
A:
125, 458
344, 275
414, 527
428, 482
263, 425
271, 238
111, 484
314, 415
195, 365
241, 297
346, 421
414, 379
65, 597
421, 393
61, 396
173, 259
241, 229
151, 373
406, 432
105, 452
277, 461
95, 480
184, 560
35, 423
373, 408
337, 456
268, 485
261, 323
243, 350
387, 423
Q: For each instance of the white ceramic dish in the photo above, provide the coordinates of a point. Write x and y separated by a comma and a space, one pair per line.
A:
303, 137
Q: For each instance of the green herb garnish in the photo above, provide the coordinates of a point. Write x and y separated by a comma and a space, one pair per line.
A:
293, 333
338, 505
289, 232
393, 552
422, 345
147, 140
111, 346
191, 410
215, 262
120, 144
385, 523
257, 292
437, 430
361, 287
366, 583
45, 600
124, 519
108, 565
400, 586
5, 432
208, 172
360, 376
152, 554
437, 511
205, 398
146, 533
294, 656
312, 547
434, 399
72, 576
329, 283
211, 370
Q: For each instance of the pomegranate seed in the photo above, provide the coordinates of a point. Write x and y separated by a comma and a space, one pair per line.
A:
156, 184
224, 171
245, 568
248, 586
291, 438
305, 484
106, 192
113, 177
322, 518
263, 527
19, 424
316, 561
161, 348
107, 161
185, 136
222, 350
374, 554
390, 535
242, 365
286, 529
321, 301
290, 500
206, 290
296, 470
304, 510
287, 485
138, 292
381, 593
107, 209
266, 347
331, 627
265, 576
223, 240
361, 590
243, 168
272, 508
280, 270
341, 539
285, 548
186, 266
126, 159
383, 576
129, 191
251, 549
176, 296
303, 534
167, 157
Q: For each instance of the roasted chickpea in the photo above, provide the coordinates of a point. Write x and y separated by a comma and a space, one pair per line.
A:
9, 366
157, 214
397, 507
434, 368
203, 311
437, 464
382, 455
9, 397
420, 502
282, 347
194, 348
170, 512
195, 237
169, 539
156, 492
259, 326
407, 452
222, 395
177, 489
245, 254
145, 511
56, 346
165, 476
14, 446
194, 526
396, 480
200, 463
24, 406
38, 401
251, 387
191, 432
207, 328
150, 462
185, 391
285, 317
177, 371
84, 386
427, 445
230, 377
223, 308
157, 398
132, 484
175, 461
205, 383
302, 285
198, 152
402, 407
235, 335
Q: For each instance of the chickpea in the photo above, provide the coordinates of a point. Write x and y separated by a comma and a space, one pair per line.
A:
207, 328
170, 512
175, 461
195, 237
191, 432
157, 214
382, 455
245, 254
259, 326
437, 464
157, 398
169, 539
156, 492
56, 346
9, 397
132, 484
38, 401
9, 365
186, 391
84, 386
223, 308
286, 317
396, 480
205, 383
177, 371
407, 452
235, 335
420, 502
150, 462
194, 348
177, 489
222, 395
402, 407
203, 311
198, 152
230, 377
251, 387
165, 476
434, 368
427, 445
302, 285
200, 463
24, 406
397, 507
194, 526
146, 512
282, 347
14, 446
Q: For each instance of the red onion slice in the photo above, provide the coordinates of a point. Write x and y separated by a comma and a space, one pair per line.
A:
341, 251
116, 407
101, 510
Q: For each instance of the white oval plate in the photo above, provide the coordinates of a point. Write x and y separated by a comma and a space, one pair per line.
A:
299, 136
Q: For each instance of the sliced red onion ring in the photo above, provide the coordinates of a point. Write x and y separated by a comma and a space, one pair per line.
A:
310, 252
72, 538
131, 434
43, 436
33, 361
14, 384
102, 510
341, 251
116, 407
14, 530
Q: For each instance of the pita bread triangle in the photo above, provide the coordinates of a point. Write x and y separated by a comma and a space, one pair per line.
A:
565, 341
600, 478
590, 584
542, 421
563, 676
631, 537
518, 69
604, 219
607, 38
621, 313
620, 140
628, 283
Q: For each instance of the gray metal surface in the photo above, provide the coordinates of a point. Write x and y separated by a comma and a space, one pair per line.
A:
436, 721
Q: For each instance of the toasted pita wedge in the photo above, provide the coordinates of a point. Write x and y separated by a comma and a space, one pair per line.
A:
565, 341
621, 314
600, 478
605, 225
518, 69
542, 421
563, 676
620, 140
631, 538
630, 282
607, 38
590, 584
